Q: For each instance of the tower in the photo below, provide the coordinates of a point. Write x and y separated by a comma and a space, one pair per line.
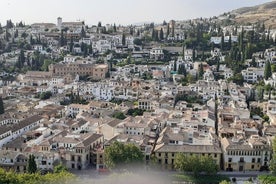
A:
59, 22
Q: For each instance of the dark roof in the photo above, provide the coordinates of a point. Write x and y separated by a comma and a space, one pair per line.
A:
26, 122
114, 122
90, 139
17, 143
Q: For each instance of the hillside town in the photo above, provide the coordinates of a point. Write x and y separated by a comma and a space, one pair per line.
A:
199, 87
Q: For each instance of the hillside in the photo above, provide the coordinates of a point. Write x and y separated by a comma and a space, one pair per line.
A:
262, 13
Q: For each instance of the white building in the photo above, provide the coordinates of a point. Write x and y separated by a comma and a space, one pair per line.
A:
156, 54
252, 75
8, 133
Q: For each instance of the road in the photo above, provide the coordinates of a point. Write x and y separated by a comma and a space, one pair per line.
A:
243, 174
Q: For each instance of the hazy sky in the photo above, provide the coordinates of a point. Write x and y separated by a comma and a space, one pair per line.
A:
115, 11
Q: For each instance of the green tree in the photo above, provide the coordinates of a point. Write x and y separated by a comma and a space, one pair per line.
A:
7, 35
273, 67
222, 43
46, 64
90, 49
195, 164
60, 168
16, 33
84, 49
168, 31
237, 78
194, 54
135, 112
267, 179
114, 28
45, 95
230, 43
182, 70
225, 182
137, 41
99, 24
9, 24
83, 34
253, 63
62, 39
272, 165
2, 109
31, 167
10, 177
122, 155
21, 59
200, 71
24, 35
123, 39
161, 34
31, 40
71, 44
119, 115
267, 71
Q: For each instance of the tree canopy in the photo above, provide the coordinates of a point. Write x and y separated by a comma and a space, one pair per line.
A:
135, 112
195, 164
267, 71
2, 109
35, 178
272, 166
31, 167
119, 154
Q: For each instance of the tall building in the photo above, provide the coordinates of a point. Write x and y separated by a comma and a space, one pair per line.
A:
59, 23
96, 71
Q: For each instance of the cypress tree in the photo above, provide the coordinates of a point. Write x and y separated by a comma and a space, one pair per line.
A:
82, 32
114, 28
174, 65
2, 109
222, 43
31, 167
230, 42
99, 24
201, 71
161, 34
124, 39
62, 40
194, 55
7, 35
90, 49
71, 44
153, 34
267, 71
253, 62
16, 33
21, 60
168, 30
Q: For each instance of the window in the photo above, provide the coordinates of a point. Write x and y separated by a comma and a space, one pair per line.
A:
215, 155
229, 159
252, 166
253, 160
159, 154
259, 160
